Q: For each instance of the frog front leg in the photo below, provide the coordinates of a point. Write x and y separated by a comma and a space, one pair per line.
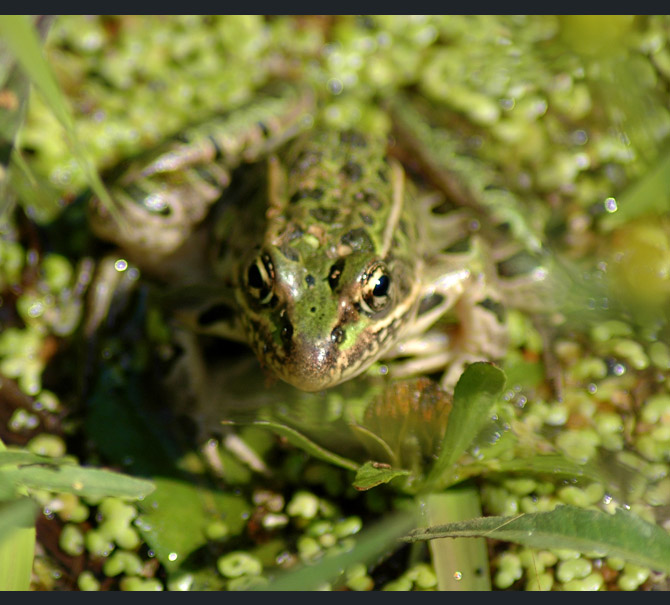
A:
478, 334
162, 197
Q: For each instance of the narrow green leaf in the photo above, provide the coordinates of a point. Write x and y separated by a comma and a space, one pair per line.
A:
475, 394
302, 442
371, 546
15, 90
89, 482
17, 543
376, 447
372, 474
18, 33
622, 535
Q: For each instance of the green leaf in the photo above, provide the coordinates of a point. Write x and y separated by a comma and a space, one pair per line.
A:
476, 392
17, 543
175, 517
302, 442
89, 482
553, 465
371, 546
622, 535
372, 474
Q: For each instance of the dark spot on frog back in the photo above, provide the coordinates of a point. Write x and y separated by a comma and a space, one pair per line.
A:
352, 171
353, 138
357, 240
306, 160
302, 194
367, 219
371, 200
324, 214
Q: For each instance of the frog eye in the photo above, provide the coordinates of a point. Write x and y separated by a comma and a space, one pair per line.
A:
377, 288
260, 278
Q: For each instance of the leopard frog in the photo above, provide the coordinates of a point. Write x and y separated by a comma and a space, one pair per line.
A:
315, 247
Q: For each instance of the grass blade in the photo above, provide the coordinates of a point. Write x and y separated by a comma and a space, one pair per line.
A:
18, 33
371, 546
89, 482
302, 442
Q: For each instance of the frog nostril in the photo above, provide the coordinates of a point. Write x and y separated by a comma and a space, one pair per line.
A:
337, 335
313, 310
287, 333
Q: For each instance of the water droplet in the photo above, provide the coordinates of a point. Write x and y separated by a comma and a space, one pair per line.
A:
155, 202
458, 575
335, 86
121, 264
173, 556
36, 309
611, 205
592, 388
619, 369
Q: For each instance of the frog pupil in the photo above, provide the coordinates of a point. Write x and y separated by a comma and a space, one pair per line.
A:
254, 277
382, 287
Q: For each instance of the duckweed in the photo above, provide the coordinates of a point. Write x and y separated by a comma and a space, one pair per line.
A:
509, 570
122, 561
304, 505
572, 569
71, 540
47, 445
217, 530
591, 582
86, 581
236, 564
308, 548
632, 577
133, 583
539, 581
348, 527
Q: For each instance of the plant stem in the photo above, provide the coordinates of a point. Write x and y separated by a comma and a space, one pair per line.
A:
461, 563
